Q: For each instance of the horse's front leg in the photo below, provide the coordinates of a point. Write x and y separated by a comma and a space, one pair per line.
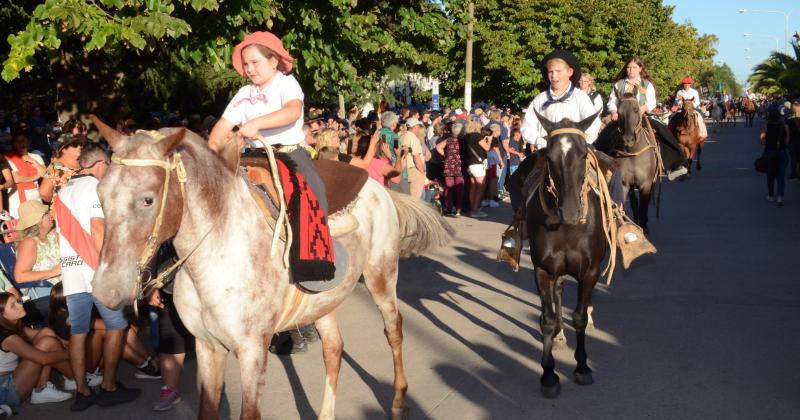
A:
332, 346
560, 341
549, 326
580, 319
645, 192
211, 363
252, 355
699, 149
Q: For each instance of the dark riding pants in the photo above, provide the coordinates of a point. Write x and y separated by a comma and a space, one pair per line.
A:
671, 153
306, 167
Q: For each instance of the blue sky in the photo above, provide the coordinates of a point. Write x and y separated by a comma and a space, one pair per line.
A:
722, 17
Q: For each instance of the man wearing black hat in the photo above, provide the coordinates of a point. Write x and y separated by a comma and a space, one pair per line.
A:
562, 99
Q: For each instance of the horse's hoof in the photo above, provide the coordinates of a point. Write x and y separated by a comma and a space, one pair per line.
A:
400, 413
551, 391
584, 378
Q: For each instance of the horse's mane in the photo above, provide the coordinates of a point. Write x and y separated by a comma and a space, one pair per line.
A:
204, 167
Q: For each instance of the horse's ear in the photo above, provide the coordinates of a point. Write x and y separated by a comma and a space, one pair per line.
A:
113, 137
547, 124
587, 122
229, 152
169, 143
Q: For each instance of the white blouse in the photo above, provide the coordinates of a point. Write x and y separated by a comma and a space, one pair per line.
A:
576, 107
250, 103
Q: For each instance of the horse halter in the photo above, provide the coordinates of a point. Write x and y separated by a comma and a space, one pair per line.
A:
639, 126
151, 246
551, 185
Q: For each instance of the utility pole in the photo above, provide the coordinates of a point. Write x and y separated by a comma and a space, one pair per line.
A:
468, 76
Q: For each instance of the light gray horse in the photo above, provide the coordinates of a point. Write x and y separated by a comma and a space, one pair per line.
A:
231, 293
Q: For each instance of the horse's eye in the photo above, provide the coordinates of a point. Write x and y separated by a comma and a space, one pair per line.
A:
147, 201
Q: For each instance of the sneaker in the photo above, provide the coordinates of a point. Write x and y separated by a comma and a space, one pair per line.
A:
120, 395
167, 399
770, 198
478, 214
780, 200
70, 385
673, 175
457, 213
82, 402
94, 379
149, 371
49, 394
494, 204
5, 411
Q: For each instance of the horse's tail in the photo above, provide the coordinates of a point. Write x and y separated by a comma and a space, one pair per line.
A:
421, 226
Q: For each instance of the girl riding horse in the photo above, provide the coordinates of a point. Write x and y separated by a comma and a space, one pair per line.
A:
634, 79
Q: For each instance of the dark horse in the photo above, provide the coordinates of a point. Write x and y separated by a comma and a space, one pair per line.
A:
565, 241
632, 144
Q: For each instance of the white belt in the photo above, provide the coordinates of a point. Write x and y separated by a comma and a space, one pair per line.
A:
283, 148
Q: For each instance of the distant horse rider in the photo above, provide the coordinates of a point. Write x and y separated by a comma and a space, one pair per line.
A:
634, 79
690, 93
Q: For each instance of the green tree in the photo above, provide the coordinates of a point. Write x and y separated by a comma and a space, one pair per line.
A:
720, 75
779, 74
513, 36
177, 52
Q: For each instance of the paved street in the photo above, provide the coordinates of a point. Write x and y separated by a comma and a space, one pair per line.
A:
705, 329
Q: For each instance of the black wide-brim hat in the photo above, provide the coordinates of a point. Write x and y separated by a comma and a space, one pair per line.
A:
571, 61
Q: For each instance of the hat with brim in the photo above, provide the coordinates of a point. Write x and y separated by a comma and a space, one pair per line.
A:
266, 39
569, 58
312, 116
687, 80
31, 213
413, 122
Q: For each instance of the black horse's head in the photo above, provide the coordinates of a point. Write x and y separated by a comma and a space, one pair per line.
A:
630, 119
566, 159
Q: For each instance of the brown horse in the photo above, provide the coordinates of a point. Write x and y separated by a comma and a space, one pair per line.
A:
231, 292
749, 108
685, 128
730, 113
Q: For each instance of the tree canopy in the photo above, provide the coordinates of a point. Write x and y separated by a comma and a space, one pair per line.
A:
779, 74
129, 55
721, 79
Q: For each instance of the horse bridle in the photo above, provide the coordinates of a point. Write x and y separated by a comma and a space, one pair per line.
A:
551, 185
151, 246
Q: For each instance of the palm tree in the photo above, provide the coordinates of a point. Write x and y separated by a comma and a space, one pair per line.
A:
779, 74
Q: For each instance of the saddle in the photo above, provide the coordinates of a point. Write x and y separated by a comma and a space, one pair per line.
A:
342, 181
342, 185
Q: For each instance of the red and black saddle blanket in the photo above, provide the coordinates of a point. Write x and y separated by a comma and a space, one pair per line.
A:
311, 253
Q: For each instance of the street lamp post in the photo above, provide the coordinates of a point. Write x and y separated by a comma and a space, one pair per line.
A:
747, 34
785, 18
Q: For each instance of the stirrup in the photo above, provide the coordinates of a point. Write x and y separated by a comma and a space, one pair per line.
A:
511, 245
631, 241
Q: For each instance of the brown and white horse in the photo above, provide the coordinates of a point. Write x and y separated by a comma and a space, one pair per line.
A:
230, 293
685, 127
749, 109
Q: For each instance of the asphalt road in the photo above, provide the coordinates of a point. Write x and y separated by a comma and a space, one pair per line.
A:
705, 329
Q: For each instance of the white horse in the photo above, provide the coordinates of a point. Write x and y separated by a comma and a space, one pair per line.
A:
231, 294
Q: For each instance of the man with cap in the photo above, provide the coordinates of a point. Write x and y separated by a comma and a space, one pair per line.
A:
412, 143
690, 93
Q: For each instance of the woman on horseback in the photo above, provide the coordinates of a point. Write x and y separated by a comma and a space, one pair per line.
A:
635, 79
689, 93
272, 106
